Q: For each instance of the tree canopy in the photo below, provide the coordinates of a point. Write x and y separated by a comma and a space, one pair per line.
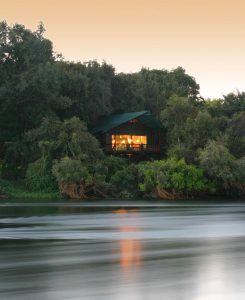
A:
47, 104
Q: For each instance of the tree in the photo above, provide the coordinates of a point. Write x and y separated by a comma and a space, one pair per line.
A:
72, 154
21, 48
127, 92
234, 103
159, 85
239, 175
151, 89
236, 135
99, 89
26, 100
174, 117
23, 53
56, 139
199, 130
217, 162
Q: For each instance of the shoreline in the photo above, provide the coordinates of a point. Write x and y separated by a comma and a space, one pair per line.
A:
16, 191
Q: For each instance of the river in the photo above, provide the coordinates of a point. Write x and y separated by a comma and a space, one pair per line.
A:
122, 250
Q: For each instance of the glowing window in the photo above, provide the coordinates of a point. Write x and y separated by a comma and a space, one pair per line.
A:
126, 141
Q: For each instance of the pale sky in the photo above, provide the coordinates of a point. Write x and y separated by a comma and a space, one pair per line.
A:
206, 37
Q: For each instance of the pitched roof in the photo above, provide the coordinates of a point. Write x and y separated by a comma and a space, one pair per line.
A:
115, 120
150, 121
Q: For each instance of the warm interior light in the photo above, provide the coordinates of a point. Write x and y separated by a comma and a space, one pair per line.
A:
120, 142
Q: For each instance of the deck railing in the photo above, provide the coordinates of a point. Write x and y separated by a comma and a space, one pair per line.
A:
127, 148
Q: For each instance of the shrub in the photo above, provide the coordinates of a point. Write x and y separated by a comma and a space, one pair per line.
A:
112, 164
124, 181
39, 177
171, 175
73, 177
69, 170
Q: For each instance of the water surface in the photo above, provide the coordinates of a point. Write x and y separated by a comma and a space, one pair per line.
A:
122, 250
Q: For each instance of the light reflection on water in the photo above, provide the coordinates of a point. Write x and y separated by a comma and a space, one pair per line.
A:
162, 252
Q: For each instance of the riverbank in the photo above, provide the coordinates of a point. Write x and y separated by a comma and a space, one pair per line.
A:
17, 190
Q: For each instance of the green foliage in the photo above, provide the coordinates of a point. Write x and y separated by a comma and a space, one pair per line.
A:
174, 116
39, 177
236, 135
199, 130
180, 151
17, 190
217, 162
46, 105
56, 139
69, 170
172, 175
75, 152
188, 127
112, 164
177, 110
239, 175
214, 107
21, 49
234, 103
150, 89
124, 180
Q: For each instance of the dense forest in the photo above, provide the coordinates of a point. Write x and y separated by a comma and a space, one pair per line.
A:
47, 105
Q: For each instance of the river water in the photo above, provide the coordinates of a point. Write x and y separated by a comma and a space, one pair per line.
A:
122, 251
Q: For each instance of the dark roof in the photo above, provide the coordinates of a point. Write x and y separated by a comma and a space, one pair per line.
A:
149, 120
115, 120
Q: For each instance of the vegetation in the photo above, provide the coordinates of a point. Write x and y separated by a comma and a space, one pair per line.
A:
172, 177
47, 105
19, 191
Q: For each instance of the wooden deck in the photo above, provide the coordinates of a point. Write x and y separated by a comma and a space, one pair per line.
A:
130, 149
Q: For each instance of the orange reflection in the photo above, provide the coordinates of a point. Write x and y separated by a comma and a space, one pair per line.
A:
130, 248
120, 211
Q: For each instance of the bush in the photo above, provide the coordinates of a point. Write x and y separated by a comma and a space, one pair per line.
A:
173, 176
69, 170
112, 164
39, 178
73, 177
124, 181
180, 151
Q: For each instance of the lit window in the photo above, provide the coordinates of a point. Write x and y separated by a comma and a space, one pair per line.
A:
126, 141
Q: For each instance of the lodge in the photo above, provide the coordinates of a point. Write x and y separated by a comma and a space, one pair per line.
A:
133, 133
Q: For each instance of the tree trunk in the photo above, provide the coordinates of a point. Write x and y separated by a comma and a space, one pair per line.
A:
72, 190
163, 194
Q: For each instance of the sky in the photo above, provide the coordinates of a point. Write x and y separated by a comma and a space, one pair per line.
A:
205, 37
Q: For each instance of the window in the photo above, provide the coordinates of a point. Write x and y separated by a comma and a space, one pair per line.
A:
126, 141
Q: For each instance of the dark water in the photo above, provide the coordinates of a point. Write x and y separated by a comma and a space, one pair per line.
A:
122, 251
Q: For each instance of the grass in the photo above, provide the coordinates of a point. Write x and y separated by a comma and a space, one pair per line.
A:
17, 190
